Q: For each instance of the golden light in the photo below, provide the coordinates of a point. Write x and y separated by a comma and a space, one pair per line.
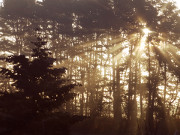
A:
39, 0
146, 31
142, 43
177, 3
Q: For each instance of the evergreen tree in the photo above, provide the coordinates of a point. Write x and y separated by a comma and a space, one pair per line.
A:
41, 89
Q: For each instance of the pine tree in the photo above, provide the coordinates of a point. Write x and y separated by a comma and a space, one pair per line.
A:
40, 88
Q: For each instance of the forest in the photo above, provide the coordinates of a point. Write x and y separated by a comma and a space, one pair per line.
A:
89, 67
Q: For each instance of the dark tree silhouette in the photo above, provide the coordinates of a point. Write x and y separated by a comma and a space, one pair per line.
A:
41, 89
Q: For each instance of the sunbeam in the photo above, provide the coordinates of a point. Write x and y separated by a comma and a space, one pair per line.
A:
177, 2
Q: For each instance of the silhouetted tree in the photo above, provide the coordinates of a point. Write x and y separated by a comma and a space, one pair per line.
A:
40, 88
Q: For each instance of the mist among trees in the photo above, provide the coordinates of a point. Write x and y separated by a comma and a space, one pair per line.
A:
77, 67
